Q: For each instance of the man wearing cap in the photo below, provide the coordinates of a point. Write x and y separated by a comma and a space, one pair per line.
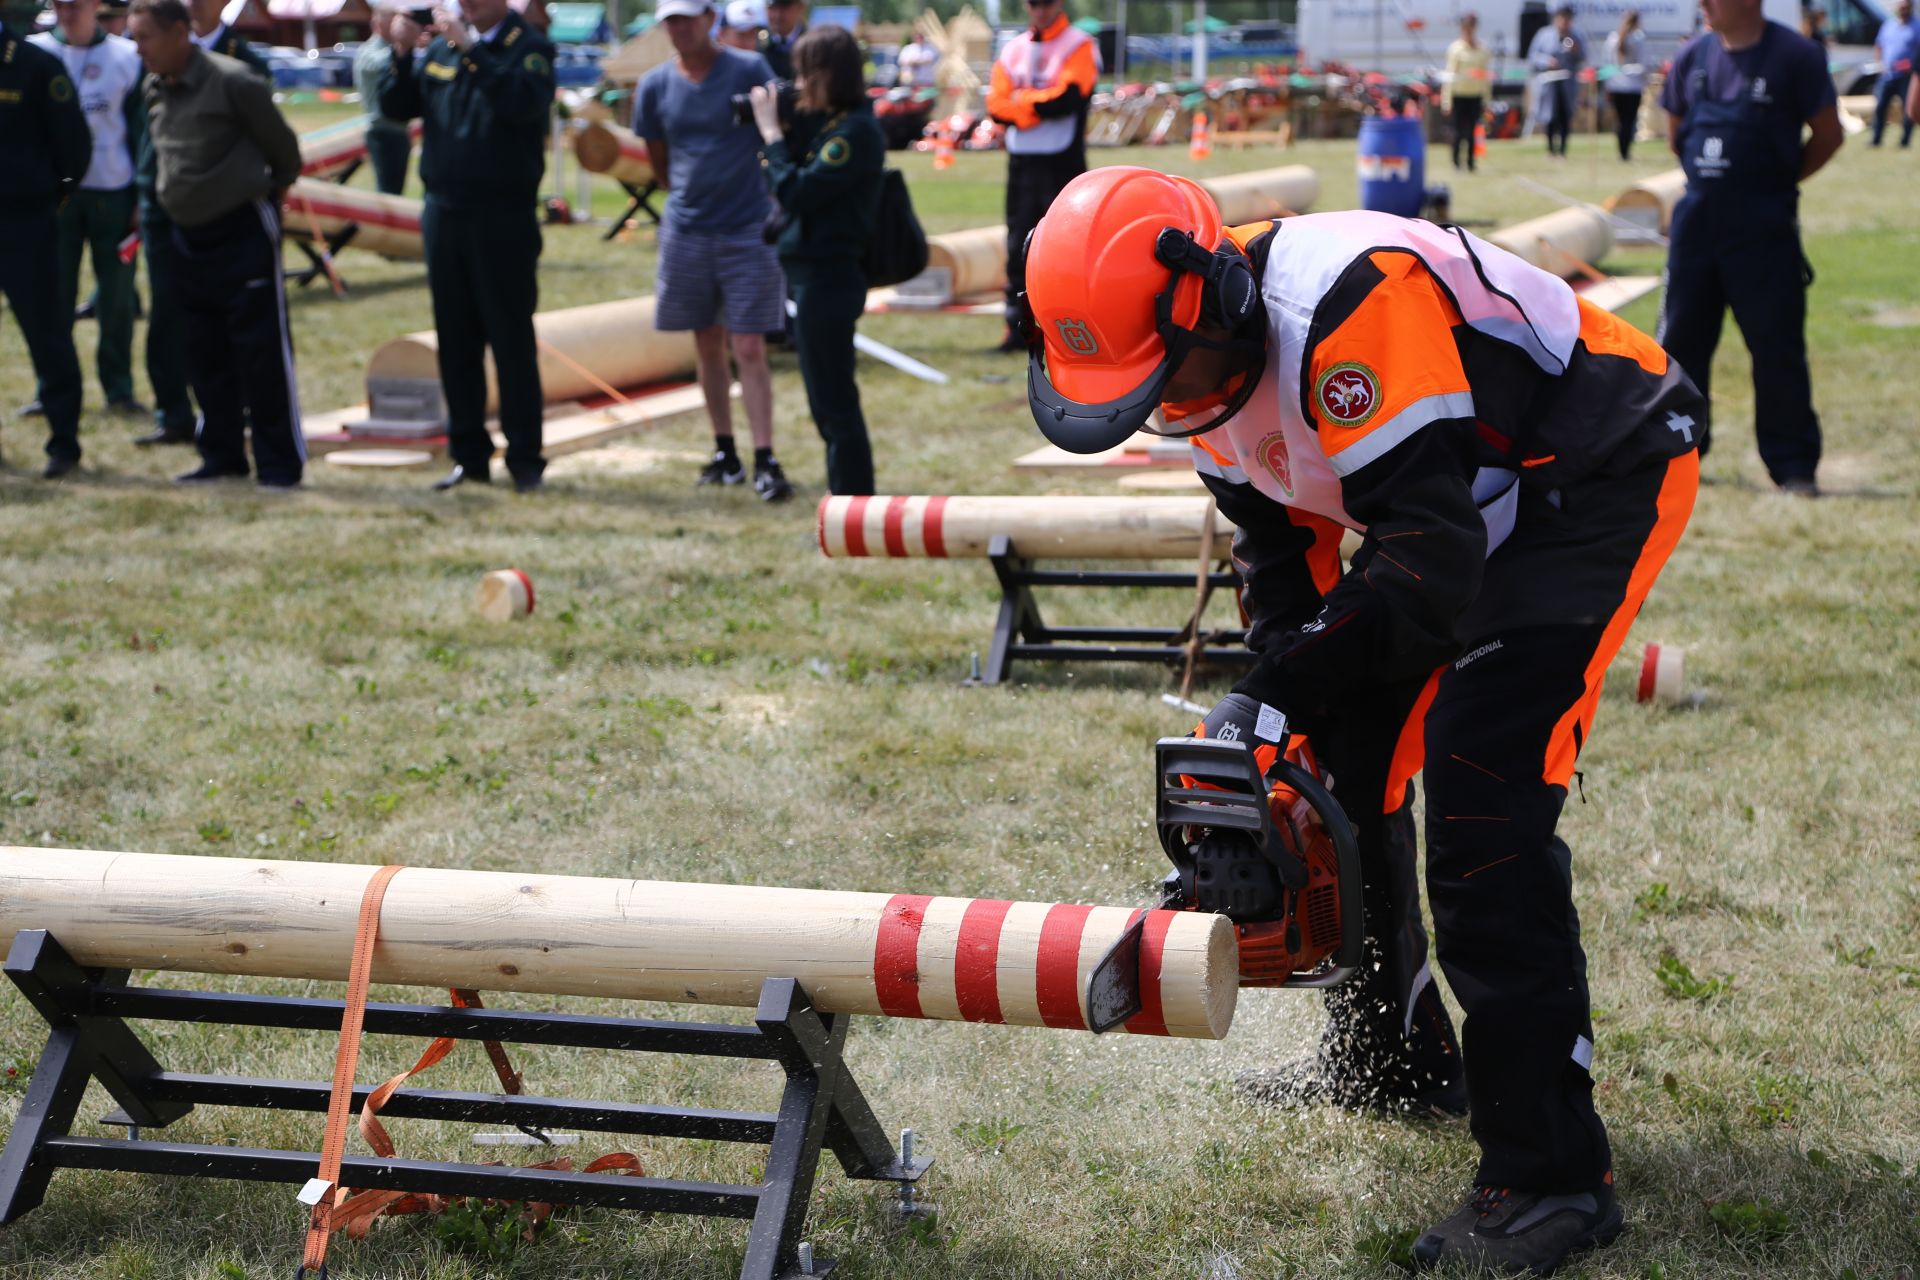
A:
484, 90
106, 71
388, 146
45, 148
174, 418
717, 275
1042, 83
741, 23
786, 23
1446, 401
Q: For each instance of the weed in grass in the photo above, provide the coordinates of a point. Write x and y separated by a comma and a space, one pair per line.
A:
1677, 979
992, 1134
1777, 1100
1750, 1222
1383, 1243
1654, 900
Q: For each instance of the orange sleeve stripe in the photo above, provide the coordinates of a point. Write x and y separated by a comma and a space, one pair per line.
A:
1391, 366
1205, 446
1323, 557
1608, 335
1080, 72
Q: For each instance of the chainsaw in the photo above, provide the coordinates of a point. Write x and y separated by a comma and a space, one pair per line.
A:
1278, 858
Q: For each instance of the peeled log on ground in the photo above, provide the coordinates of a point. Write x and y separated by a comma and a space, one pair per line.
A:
386, 225
1093, 527
1649, 202
615, 342
1562, 243
619, 153
898, 955
329, 151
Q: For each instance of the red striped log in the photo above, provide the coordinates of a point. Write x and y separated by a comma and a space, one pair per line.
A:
895, 955
1126, 527
387, 225
326, 152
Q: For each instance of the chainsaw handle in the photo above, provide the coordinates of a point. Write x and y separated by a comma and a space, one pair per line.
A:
1346, 847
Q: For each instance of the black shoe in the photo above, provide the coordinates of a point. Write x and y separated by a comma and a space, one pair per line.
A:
161, 435
57, 467
1010, 342
207, 473
528, 484
724, 469
1310, 1082
86, 310
1521, 1233
1800, 487
770, 482
127, 407
457, 477
33, 409
277, 488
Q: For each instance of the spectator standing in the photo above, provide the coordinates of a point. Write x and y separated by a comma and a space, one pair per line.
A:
1464, 91
174, 418
1556, 56
224, 159
113, 18
1736, 101
388, 146
786, 23
1895, 46
829, 194
484, 94
106, 72
1042, 83
718, 275
45, 149
1626, 57
741, 24
918, 62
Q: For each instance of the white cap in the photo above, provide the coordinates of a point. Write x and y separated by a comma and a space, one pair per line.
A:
681, 8
744, 15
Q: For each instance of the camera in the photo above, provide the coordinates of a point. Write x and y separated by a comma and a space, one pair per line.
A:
785, 96
420, 17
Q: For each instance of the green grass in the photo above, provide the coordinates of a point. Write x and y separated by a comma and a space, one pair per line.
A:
702, 697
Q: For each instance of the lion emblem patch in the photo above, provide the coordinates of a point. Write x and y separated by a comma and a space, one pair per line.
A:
1348, 394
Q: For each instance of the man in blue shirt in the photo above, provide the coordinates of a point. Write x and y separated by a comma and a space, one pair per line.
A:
1736, 100
718, 275
1895, 46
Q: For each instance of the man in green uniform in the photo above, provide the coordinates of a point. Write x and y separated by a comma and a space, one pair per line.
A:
45, 148
389, 149
174, 418
484, 92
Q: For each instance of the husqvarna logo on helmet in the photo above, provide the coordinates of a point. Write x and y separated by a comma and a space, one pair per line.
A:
1077, 337
1348, 394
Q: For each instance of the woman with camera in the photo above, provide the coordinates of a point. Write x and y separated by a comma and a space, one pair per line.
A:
825, 168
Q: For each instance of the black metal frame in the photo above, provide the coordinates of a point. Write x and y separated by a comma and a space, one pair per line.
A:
86, 1009
317, 261
1021, 634
640, 201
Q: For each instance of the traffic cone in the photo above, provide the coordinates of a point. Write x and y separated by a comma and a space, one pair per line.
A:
1480, 142
1200, 141
942, 150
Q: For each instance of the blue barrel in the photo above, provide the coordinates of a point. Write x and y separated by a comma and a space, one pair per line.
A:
1393, 165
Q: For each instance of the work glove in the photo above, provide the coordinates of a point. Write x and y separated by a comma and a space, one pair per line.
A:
1239, 717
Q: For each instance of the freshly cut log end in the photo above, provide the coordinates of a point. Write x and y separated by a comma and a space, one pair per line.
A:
1060, 527
1648, 204
898, 955
506, 595
1662, 675
607, 148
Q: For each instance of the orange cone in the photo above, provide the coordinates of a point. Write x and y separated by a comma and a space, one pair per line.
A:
1200, 141
942, 150
1480, 142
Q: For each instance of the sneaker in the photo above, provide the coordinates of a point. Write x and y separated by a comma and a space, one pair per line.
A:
1522, 1233
770, 482
1800, 487
724, 468
1310, 1082
206, 473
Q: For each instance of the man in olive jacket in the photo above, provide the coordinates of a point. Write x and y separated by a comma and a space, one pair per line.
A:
484, 93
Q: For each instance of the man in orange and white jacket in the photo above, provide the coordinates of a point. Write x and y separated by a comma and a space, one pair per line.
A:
1519, 465
1042, 83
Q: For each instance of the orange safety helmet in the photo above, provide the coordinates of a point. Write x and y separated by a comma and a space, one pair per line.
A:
1120, 272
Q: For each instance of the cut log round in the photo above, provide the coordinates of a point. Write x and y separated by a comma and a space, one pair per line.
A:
1648, 203
618, 153
894, 955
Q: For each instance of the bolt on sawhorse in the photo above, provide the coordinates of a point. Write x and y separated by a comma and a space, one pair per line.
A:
87, 1011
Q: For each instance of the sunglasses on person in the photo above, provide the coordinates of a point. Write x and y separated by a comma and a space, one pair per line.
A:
1041, 4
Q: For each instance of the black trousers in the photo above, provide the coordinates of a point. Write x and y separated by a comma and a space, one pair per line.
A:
173, 410
482, 271
828, 298
1466, 117
1735, 252
1499, 730
30, 279
1032, 183
238, 343
1626, 119
1559, 116
389, 150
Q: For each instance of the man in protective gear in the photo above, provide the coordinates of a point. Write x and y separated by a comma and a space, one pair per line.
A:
1519, 465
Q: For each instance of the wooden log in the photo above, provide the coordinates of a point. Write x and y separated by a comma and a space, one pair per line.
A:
581, 348
1091, 527
977, 259
896, 955
604, 147
386, 225
1563, 242
326, 152
1649, 202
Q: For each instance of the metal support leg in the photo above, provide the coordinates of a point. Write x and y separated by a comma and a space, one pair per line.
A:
1019, 612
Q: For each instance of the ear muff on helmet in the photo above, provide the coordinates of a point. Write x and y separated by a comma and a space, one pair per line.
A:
1230, 295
